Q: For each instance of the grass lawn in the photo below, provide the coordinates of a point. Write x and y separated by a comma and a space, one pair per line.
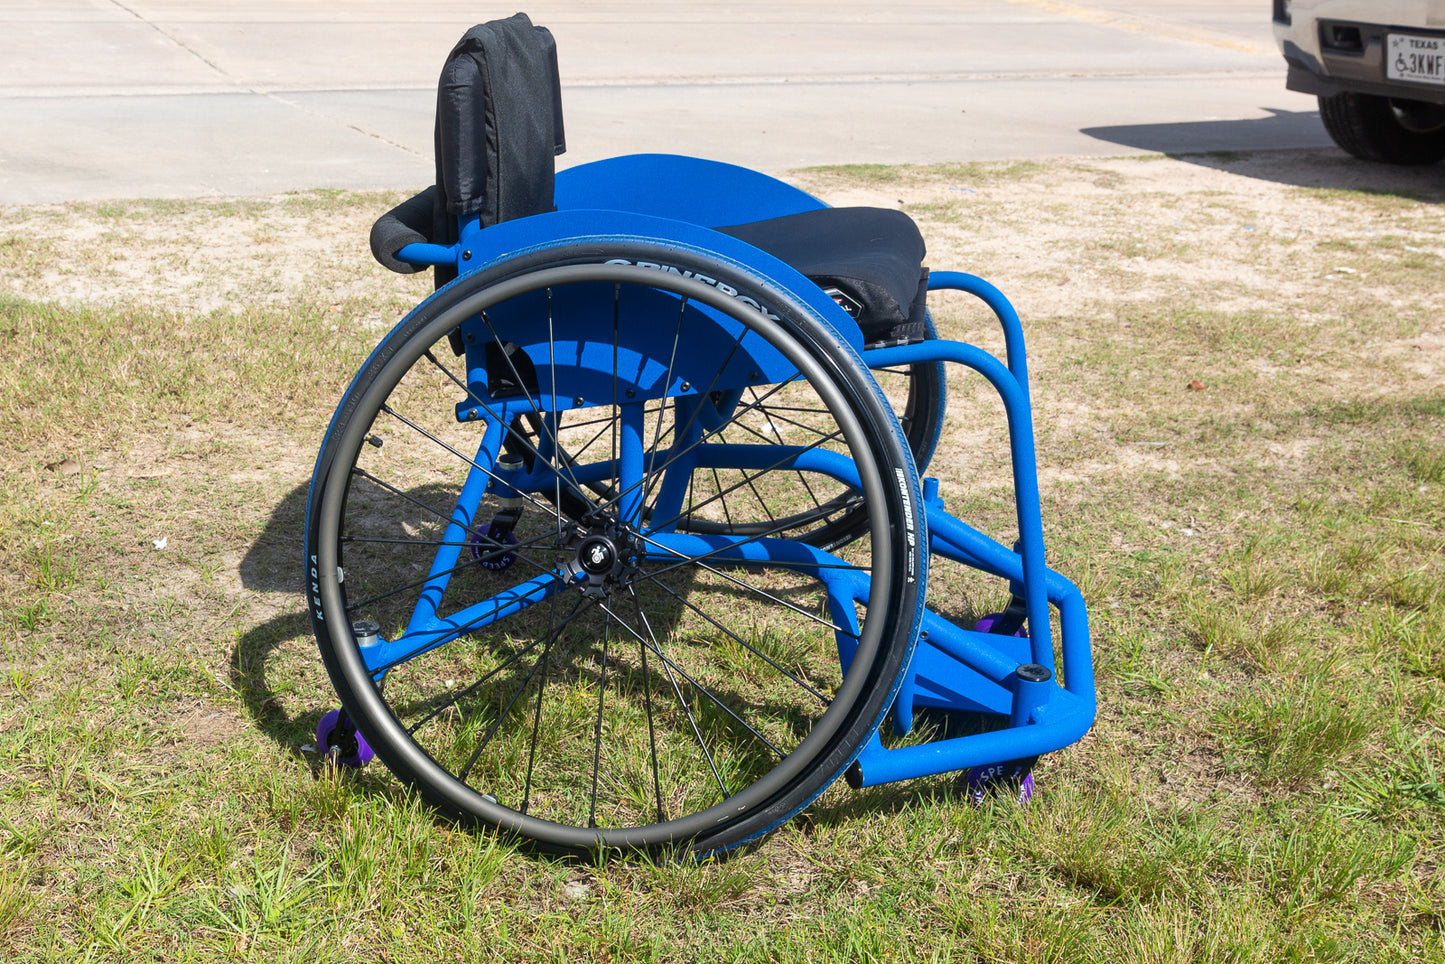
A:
1238, 370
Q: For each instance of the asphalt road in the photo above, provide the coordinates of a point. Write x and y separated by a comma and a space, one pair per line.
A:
175, 98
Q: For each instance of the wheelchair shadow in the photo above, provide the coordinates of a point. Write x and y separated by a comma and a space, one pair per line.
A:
1287, 147
273, 565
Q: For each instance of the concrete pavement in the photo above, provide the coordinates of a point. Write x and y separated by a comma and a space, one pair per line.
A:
100, 98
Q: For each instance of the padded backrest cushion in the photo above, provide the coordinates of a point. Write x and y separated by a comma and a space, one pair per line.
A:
498, 123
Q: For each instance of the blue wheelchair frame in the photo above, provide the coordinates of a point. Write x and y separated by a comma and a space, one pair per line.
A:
674, 200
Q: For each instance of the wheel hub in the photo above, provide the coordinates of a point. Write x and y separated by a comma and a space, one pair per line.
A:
604, 559
597, 555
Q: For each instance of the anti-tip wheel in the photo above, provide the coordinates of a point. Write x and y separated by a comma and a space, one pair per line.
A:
337, 738
1012, 779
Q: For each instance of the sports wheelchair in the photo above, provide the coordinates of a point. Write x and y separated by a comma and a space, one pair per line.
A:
617, 541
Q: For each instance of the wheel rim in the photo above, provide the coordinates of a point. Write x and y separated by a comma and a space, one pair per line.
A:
496, 750
1419, 117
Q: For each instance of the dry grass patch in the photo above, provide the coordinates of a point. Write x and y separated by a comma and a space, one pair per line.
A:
1263, 555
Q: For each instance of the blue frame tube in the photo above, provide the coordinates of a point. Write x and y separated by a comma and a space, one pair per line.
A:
457, 530
1025, 472
1063, 719
1008, 318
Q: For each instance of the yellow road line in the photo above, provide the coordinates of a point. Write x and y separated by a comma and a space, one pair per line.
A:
1157, 28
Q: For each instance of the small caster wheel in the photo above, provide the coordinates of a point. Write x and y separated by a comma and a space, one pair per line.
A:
337, 738
484, 546
1012, 779
987, 623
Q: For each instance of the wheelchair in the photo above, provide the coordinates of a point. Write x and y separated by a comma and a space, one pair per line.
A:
618, 540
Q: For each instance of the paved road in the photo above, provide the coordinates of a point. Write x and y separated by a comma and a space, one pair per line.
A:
102, 98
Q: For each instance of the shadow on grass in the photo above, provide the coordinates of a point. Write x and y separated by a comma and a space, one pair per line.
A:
271, 565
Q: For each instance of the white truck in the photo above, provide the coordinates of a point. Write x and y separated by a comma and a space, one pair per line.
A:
1378, 69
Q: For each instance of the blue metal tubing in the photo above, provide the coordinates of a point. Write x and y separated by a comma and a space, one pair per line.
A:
984, 652
426, 631
1008, 318
1025, 472
1064, 719
426, 635
422, 255
1074, 636
458, 530
722, 455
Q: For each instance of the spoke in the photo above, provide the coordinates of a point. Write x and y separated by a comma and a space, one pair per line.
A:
373, 600
496, 724
797, 409
770, 564
465, 458
362, 473
572, 426
718, 483
647, 702
771, 415
487, 408
745, 644
748, 478
573, 459
458, 696
761, 504
811, 494
705, 692
537, 712
667, 386
751, 431
682, 432
668, 667
407, 542
597, 732
616, 468
517, 377
759, 592
690, 560
432, 635
678, 434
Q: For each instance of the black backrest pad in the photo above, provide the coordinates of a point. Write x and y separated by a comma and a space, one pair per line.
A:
499, 122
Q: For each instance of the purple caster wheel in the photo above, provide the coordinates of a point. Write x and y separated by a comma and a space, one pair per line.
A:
987, 623
337, 738
1013, 779
483, 546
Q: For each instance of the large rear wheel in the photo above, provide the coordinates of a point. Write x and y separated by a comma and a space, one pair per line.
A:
559, 656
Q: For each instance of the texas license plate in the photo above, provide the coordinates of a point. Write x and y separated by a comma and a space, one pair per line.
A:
1415, 58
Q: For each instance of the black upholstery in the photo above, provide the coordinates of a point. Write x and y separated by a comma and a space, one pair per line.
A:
499, 122
872, 257
499, 128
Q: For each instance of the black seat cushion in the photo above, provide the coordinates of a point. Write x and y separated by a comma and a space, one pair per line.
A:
871, 258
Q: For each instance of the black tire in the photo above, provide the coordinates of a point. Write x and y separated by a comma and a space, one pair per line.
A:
676, 699
1384, 129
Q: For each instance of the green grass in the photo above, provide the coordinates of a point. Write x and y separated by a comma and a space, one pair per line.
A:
1263, 559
